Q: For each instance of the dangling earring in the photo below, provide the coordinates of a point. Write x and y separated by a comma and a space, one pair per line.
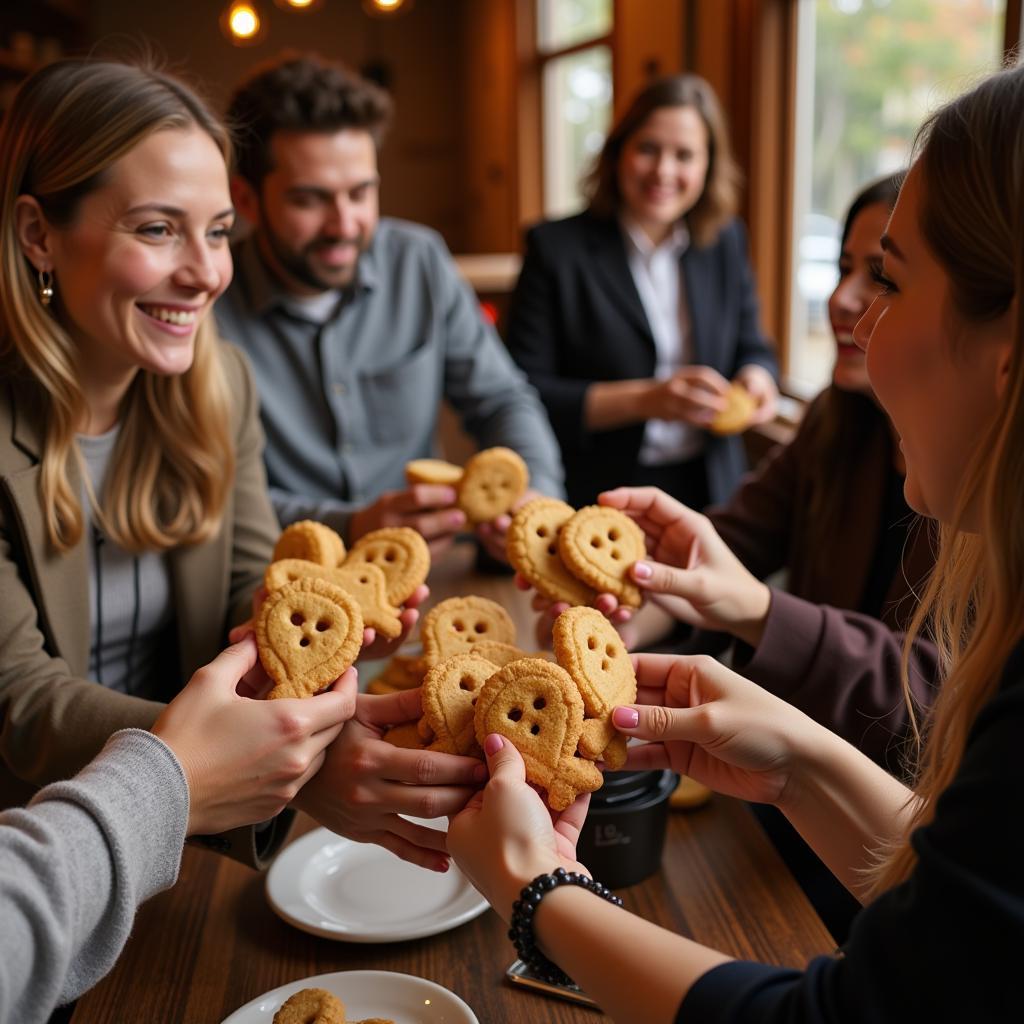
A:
45, 287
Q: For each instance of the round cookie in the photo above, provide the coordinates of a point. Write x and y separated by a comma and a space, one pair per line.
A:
493, 481
401, 553
433, 471
311, 1006
536, 706
588, 647
308, 633
312, 541
499, 653
454, 626
737, 414
598, 545
532, 547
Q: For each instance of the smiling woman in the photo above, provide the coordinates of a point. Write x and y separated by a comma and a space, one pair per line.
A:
134, 521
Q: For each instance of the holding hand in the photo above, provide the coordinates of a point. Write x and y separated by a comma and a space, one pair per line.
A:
245, 759
760, 385
693, 394
365, 783
706, 721
506, 836
692, 572
427, 508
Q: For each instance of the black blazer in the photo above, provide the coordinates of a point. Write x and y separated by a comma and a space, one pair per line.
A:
576, 317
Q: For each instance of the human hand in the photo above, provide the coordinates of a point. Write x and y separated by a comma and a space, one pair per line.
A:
427, 508
705, 721
692, 572
607, 604
506, 835
245, 759
493, 534
693, 394
760, 385
365, 783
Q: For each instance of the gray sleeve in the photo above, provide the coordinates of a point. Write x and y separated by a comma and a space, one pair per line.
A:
496, 402
77, 862
291, 508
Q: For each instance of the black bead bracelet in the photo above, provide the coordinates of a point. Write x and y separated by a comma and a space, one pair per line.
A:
521, 926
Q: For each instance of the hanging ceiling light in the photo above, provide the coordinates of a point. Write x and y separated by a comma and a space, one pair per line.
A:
297, 5
386, 8
241, 23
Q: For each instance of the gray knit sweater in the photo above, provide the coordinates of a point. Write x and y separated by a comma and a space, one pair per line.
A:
76, 863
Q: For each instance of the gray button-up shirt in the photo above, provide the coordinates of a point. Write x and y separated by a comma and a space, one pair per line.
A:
347, 402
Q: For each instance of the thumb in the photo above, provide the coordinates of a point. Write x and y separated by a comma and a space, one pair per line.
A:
503, 759
232, 663
665, 579
660, 724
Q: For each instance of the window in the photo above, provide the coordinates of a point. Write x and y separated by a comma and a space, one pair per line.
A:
868, 73
575, 54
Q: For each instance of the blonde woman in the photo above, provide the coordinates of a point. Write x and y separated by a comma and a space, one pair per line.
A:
134, 523
938, 865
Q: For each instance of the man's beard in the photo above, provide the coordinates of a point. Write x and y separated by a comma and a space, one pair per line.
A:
299, 265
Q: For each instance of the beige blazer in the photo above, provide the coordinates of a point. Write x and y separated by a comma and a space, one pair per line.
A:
53, 719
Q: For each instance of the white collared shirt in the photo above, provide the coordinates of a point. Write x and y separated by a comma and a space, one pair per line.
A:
658, 277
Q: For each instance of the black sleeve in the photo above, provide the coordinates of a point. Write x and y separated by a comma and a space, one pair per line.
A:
943, 946
751, 345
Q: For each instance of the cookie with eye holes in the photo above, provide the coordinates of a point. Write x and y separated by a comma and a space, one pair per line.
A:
598, 545
433, 471
311, 1006
311, 541
588, 647
456, 625
450, 693
536, 705
365, 582
492, 482
307, 633
532, 547
740, 406
400, 553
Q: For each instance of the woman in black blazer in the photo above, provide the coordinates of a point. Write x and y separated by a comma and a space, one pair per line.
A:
632, 317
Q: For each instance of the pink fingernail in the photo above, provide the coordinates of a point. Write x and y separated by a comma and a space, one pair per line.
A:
443, 864
493, 744
642, 571
456, 518
626, 718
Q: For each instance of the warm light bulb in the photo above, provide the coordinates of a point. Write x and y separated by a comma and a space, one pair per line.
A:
299, 3
387, 5
243, 21
386, 8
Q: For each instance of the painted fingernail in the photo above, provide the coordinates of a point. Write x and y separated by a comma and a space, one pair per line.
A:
626, 718
443, 864
642, 571
493, 744
456, 518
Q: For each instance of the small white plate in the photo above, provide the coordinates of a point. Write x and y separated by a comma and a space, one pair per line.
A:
359, 892
402, 997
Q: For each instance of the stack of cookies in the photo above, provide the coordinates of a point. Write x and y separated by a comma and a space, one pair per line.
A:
491, 483
320, 597
557, 715
573, 556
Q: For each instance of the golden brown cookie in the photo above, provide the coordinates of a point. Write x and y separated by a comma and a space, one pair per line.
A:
536, 705
402, 672
405, 735
365, 582
311, 1006
532, 548
492, 482
307, 632
499, 653
401, 553
454, 626
689, 795
450, 692
433, 471
312, 541
598, 545
588, 647
739, 409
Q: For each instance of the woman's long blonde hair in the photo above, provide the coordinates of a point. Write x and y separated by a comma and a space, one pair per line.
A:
972, 217
174, 459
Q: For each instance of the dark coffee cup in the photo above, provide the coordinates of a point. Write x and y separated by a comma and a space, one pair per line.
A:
623, 837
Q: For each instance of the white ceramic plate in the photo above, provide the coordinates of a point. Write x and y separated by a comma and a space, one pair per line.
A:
402, 997
359, 892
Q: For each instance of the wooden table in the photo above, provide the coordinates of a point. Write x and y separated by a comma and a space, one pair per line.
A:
212, 943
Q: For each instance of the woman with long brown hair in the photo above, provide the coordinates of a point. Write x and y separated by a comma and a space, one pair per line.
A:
936, 863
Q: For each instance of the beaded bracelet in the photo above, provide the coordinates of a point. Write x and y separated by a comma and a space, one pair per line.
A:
521, 926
